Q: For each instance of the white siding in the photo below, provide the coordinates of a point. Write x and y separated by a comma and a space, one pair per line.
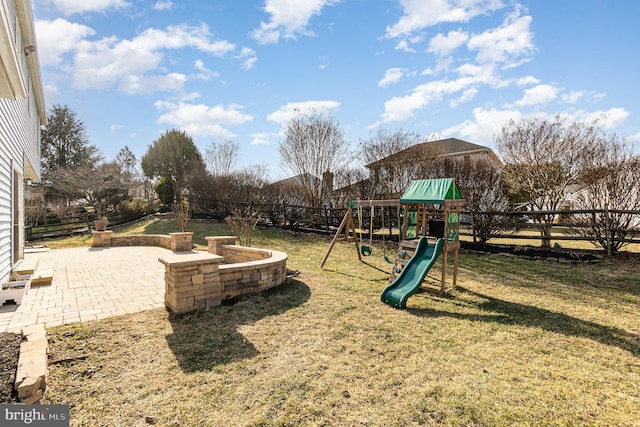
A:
19, 128
19, 140
20, 120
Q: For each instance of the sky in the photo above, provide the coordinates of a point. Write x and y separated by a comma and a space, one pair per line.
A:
239, 70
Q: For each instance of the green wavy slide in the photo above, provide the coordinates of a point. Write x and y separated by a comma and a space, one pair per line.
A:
412, 275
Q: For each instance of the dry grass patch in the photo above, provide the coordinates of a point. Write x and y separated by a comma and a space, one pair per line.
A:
519, 343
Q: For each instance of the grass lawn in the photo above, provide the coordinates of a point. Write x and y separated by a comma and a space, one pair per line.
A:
519, 342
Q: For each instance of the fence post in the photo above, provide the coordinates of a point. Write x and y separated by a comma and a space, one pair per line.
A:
607, 224
284, 214
326, 216
473, 226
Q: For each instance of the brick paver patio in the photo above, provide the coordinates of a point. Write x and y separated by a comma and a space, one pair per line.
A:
90, 284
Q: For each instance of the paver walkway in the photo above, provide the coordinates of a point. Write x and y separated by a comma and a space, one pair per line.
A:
90, 284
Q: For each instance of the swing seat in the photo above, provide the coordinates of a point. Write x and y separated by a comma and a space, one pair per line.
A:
365, 250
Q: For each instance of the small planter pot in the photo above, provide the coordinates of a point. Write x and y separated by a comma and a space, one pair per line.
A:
15, 290
100, 224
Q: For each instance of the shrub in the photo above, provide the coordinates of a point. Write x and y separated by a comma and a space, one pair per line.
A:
133, 209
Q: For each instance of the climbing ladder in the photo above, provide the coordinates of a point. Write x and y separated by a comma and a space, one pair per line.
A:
406, 249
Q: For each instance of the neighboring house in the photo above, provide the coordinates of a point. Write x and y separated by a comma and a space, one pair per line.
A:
443, 150
22, 112
435, 159
301, 189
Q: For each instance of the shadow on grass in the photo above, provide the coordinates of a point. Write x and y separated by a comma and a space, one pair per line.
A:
205, 339
507, 312
351, 272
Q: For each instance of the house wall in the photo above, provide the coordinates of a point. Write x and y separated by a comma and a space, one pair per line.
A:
19, 139
20, 120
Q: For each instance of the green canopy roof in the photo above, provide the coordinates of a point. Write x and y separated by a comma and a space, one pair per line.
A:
434, 191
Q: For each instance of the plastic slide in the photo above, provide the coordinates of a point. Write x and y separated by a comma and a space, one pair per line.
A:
412, 275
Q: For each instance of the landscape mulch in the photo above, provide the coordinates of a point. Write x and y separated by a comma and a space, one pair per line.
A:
9, 353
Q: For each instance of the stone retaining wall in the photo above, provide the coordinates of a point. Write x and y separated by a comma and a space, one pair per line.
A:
159, 240
32, 373
197, 280
174, 241
192, 281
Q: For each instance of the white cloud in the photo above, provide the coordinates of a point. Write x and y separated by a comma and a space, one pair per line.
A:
163, 5
513, 39
57, 37
149, 84
488, 123
403, 46
202, 120
204, 73
485, 125
421, 14
466, 96
443, 45
608, 119
104, 63
528, 80
50, 93
69, 7
260, 138
294, 109
392, 75
248, 58
635, 137
401, 108
180, 36
573, 97
288, 18
538, 95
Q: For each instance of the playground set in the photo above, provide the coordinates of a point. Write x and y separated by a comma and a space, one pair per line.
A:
429, 225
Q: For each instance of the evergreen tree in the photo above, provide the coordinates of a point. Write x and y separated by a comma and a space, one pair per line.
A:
65, 143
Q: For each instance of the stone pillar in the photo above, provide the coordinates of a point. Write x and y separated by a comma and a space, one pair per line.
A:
101, 239
214, 244
181, 241
192, 281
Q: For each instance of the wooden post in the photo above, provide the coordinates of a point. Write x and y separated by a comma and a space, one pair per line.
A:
607, 224
405, 222
346, 224
326, 216
284, 214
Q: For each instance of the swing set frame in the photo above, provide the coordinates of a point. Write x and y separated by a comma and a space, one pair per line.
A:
349, 227
421, 197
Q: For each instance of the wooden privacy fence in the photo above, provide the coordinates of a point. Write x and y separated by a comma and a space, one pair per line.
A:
607, 229
602, 227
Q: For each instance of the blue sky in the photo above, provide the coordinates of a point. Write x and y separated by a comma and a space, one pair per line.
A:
239, 70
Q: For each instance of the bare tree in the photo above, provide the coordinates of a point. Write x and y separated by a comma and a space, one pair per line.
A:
98, 186
351, 184
221, 159
394, 159
126, 161
543, 158
312, 145
242, 222
481, 185
612, 187
384, 143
